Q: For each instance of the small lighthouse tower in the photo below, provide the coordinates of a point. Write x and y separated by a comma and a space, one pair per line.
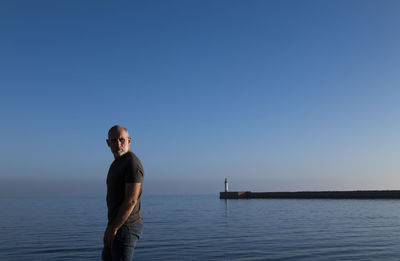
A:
226, 185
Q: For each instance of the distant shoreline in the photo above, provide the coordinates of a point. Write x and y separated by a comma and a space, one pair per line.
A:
357, 194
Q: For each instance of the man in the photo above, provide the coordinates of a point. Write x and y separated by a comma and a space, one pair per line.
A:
124, 188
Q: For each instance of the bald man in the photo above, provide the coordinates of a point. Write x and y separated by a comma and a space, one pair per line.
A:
124, 188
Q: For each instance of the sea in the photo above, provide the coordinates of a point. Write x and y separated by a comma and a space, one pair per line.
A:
204, 227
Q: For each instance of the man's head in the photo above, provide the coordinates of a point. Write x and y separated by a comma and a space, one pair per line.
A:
118, 140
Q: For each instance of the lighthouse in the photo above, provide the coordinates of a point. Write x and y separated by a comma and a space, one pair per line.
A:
226, 185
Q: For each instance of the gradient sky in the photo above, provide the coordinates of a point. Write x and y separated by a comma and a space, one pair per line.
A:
274, 95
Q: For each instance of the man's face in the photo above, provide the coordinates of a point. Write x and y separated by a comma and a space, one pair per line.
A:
119, 142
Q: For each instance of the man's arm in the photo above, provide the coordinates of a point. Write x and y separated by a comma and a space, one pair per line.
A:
132, 192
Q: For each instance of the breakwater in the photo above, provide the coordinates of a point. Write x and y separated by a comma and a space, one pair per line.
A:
357, 194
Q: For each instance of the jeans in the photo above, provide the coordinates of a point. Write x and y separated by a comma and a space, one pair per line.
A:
124, 243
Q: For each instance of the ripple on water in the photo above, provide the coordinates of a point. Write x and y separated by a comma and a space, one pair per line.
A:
206, 228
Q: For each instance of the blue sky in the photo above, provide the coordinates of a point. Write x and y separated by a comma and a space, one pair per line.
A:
274, 95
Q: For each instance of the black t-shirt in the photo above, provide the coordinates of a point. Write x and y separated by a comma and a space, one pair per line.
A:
126, 169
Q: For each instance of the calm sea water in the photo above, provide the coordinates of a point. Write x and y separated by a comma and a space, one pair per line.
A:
206, 228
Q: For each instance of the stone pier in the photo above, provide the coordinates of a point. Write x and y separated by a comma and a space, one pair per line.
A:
357, 194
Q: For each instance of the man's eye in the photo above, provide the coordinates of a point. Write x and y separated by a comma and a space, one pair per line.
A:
122, 140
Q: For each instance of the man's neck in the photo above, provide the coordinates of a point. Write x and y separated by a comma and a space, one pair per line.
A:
117, 156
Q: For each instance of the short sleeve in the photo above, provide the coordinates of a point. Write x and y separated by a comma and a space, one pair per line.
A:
134, 172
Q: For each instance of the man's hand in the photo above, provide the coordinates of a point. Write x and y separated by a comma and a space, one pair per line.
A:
132, 192
109, 236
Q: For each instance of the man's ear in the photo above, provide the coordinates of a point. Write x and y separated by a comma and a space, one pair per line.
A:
108, 142
129, 140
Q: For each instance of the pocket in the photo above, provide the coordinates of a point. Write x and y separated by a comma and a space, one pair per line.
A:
123, 237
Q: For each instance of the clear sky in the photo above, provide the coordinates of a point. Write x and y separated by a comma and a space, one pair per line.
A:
274, 95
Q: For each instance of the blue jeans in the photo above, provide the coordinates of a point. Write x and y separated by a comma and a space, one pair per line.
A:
124, 243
